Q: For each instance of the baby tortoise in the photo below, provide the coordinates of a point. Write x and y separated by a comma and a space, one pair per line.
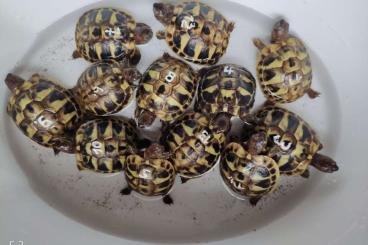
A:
194, 145
284, 67
103, 144
225, 91
106, 88
44, 111
104, 34
165, 91
292, 143
194, 30
150, 175
246, 172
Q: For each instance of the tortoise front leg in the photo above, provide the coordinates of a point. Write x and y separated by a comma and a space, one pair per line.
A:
161, 35
313, 94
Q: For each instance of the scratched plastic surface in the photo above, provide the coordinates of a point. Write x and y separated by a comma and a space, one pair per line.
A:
203, 210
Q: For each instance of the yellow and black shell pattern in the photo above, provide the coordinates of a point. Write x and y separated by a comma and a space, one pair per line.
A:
284, 70
105, 34
44, 111
195, 147
292, 143
226, 88
103, 90
150, 177
246, 174
167, 88
103, 144
198, 33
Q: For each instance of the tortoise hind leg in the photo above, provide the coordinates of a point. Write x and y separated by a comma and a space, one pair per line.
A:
184, 180
254, 200
258, 43
126, 191
305, 174
313, 94
168, 200
76, 54
324, 163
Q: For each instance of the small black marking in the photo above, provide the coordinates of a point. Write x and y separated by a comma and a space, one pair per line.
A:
293, 124
241, 176
179, 131
264, 183
55, 95
117, 164
200, 169
216, 147
99, 111
268, 60
42, 85
101, 127
231, 157
161, 89
204, 54
68, 108
228, 84
206, 30
110, 148
106, 14
117, 128
120, 18
276, 116
163, 175
268, 74
189, 49
211, 159
191, 123
306, 134
110, 106
209, 97
102, 167
97, 32
182, 97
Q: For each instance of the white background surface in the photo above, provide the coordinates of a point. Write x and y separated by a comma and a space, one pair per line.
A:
341, 219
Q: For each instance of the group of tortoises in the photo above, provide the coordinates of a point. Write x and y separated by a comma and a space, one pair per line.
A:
193, 139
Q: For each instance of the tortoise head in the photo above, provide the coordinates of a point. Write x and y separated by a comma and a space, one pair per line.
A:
163, 12
64, 144
13, 82
143, 33
131, 75
222, 122
155, 151
144, 117
257, 143
280, 31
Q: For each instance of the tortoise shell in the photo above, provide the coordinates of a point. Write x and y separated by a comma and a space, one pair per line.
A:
198, 32
194, 145
45, 112
104, 88
226, 88
103, 144
149, 177
284, 70
248, 175
167, 88
106, 34
292, 143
